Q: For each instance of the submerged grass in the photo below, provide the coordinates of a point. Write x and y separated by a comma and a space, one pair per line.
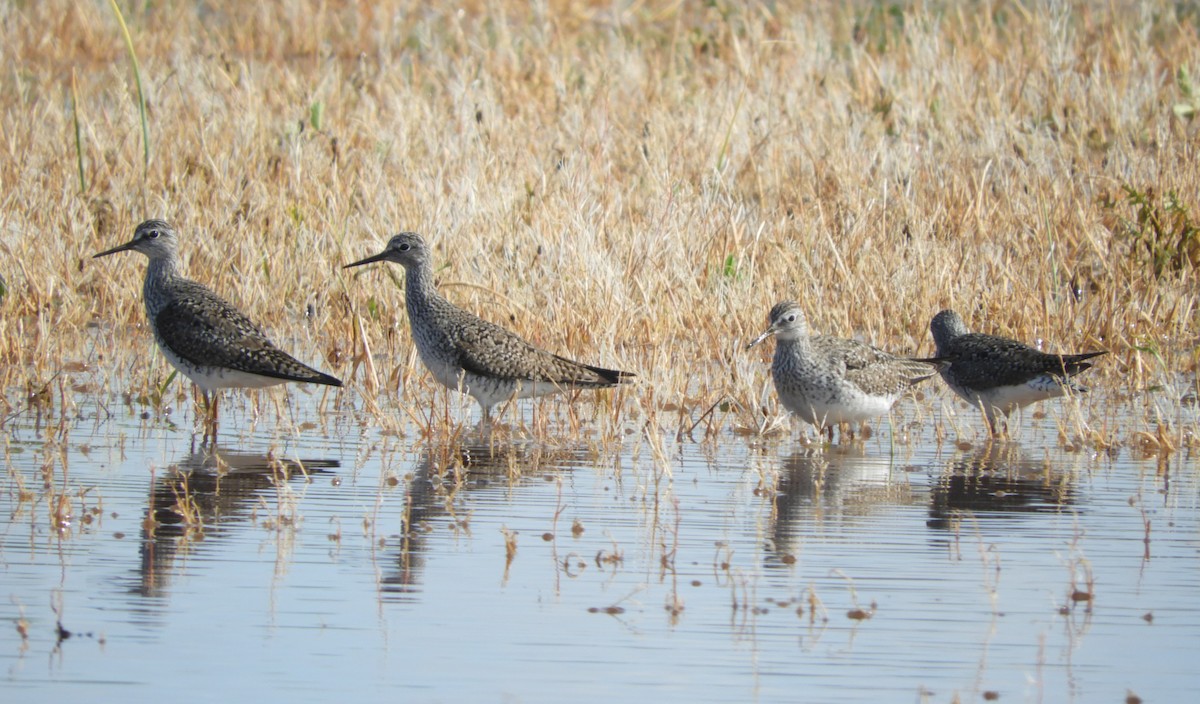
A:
632, 186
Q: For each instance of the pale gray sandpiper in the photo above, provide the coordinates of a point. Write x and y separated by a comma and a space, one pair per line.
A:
1000, 375
466, 353
201, 334
829, 380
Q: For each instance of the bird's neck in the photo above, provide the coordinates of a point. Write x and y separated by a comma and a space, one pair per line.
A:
160, 273
794, 345
793, 338
418, 285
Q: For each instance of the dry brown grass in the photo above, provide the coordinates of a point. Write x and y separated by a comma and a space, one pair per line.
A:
634, 186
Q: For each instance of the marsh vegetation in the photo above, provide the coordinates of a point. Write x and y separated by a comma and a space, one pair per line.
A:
635, 185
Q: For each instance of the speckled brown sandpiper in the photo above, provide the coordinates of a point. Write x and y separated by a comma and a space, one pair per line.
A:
200, 333
1000, 375
466, 353
829, 380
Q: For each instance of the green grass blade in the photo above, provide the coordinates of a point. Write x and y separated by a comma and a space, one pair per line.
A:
78, 134
137, 79
724, 150
162, 389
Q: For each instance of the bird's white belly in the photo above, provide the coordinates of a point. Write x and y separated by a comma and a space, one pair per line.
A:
848, 408
490, 391
1010, 398
210, 378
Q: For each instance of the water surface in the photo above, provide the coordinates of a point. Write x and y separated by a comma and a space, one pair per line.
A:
317, 557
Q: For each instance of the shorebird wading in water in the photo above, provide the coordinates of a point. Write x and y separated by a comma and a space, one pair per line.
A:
200, 333
1000, 375
468, 354
830, 380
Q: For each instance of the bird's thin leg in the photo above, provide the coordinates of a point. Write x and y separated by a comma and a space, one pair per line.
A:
997, 424
485, 423
210, 416
201, 409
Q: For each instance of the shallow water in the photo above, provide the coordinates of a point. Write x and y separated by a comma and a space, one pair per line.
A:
340, 561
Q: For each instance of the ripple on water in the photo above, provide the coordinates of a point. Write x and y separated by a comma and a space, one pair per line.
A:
538, 571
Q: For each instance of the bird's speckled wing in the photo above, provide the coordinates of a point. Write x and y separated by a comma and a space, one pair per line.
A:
202, 328
979, 361
489, 350
871, 368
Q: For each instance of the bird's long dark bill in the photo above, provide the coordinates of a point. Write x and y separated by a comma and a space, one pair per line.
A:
769, 332
369, 260
114, 250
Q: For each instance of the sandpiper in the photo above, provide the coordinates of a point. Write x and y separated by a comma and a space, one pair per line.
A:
468, 354
1000, 375
201, 334
829, 380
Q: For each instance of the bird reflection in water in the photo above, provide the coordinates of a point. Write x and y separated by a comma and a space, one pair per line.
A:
443, 478
201, 498
843, 483
998, 480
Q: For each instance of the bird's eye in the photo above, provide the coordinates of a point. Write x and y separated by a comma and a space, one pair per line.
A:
152, 234
404, 247
791, 317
